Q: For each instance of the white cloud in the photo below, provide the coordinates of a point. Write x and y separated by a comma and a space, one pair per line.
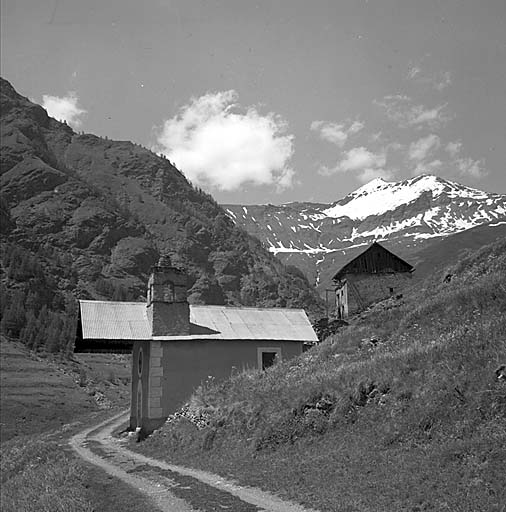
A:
370, 174
470, 167
336, 133
424, 147
365, 164
394, 146
402, 110
453, 148
414, 71
331, 132
355, 127
439, 80
361, 158
64, 108
421, 154
217, 144
418, 114
427, 167
442, 80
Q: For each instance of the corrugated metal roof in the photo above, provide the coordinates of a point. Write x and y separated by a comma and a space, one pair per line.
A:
129, 321
114, 320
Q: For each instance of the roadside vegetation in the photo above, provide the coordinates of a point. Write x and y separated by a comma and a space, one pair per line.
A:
39, 473
405, 409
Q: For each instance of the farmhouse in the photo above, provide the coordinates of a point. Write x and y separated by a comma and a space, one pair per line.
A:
176, 346
372, 276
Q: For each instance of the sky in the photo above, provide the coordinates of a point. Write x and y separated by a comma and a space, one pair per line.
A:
276, 101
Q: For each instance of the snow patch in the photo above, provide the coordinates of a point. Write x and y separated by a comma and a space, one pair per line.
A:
378, 196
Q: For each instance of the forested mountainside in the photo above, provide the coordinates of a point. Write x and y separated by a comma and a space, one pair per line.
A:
83, 216
408, 216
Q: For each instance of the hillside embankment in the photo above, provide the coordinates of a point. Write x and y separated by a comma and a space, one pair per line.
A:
41, 392
405, 409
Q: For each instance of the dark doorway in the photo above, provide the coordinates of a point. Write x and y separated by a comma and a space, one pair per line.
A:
268, 359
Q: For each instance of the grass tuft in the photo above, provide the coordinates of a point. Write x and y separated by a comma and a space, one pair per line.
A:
38, 476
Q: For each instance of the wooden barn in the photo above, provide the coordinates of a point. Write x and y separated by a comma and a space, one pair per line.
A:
372, 276
176, 346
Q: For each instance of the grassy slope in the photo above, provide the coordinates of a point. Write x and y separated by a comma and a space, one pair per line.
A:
37, 475
42, 393
414, 422
437, 253
35, 396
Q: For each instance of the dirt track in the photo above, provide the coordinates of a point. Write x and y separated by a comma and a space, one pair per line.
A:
170, 488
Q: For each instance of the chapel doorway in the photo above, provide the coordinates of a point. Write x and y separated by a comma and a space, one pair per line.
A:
139, 405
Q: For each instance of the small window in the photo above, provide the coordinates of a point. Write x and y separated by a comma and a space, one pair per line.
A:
139, 369
268, 359
268, 356
391, 290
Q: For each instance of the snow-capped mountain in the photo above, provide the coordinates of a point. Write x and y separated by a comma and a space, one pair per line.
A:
404, 213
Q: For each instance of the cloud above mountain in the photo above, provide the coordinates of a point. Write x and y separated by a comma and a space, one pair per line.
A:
424, 147
336, 133
471, 168
422, 154
407, 114
438, 81
453, 148
219, 144
363, 163
430, 153
64, 108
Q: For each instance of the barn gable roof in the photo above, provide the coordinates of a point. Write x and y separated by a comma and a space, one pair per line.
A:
375, 259
128, 321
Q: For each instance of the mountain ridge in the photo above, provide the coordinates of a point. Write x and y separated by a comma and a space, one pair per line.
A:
314, 236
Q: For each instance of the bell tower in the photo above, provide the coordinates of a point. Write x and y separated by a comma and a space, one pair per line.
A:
167, 306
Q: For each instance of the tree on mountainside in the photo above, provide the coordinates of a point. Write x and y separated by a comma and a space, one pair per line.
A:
13, 316
29, 332
32, 308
